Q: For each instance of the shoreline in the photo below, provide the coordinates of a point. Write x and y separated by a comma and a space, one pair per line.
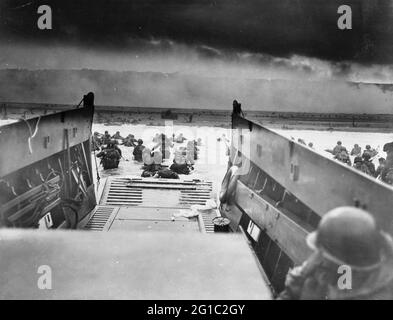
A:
118, 115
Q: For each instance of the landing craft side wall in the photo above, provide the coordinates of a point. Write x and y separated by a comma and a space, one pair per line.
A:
320, 183
35, 152
50, 138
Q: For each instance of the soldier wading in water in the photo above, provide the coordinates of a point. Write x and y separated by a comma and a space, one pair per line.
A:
110, 156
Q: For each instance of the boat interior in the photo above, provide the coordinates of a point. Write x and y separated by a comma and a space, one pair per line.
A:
121, 237
127, 237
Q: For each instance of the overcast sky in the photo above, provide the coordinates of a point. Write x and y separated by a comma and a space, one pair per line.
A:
291, 34
221, 43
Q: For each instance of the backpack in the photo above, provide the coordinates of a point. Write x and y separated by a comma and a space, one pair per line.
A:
110, 163
168, 174
180, 168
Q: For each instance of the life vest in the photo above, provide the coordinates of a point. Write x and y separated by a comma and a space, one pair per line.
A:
228, 185
146, 157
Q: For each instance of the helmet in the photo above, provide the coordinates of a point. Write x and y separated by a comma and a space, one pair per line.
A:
366, 156
140, 141
388, 147
358, 159
348, 235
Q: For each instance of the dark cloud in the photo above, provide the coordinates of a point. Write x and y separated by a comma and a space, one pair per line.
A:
279, 28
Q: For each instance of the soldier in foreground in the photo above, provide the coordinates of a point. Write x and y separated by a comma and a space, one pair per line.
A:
349, 237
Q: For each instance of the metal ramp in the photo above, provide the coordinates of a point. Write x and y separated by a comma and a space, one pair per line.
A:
101, 218
148, 204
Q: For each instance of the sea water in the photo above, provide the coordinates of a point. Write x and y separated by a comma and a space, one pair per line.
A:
212, 162
327, 140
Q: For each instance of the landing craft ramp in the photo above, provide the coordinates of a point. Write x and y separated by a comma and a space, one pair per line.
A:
133, 242
133, 245
149, 204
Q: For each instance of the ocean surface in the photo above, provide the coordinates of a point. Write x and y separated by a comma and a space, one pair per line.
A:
210, 165
323, 140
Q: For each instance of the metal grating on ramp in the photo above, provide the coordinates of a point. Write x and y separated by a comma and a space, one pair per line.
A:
101, 218
151, 192
199, 195
119, 193
195, 196
207, 218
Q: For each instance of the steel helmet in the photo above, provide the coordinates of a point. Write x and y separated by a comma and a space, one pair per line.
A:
348, 235
358, 159
388, 147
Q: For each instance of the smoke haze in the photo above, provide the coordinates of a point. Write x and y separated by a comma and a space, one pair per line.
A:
272, 55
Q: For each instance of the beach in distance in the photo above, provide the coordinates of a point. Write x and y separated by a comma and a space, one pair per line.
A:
194, 91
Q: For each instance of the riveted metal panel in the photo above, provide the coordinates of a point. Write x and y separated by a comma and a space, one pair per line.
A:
320, 183
281, 226
38, 138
